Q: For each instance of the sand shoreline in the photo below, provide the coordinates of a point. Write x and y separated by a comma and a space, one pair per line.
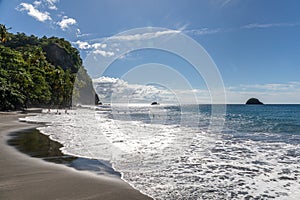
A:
24, 177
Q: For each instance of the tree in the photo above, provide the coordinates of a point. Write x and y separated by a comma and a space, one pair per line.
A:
3, 33
13, 79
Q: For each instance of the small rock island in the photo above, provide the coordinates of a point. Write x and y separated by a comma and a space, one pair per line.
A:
254, 101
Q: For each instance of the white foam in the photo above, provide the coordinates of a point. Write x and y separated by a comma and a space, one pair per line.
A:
174, 162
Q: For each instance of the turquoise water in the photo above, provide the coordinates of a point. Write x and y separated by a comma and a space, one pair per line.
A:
257, 122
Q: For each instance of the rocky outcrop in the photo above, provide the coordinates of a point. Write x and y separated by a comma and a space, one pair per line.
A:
58, 56
83, 90
254, 101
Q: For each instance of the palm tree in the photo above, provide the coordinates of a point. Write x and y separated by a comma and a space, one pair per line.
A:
3, 33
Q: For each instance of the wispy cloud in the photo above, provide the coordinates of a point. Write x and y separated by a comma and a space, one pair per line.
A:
79, 34
34, 12
208, 31
269, 25
291, 86
115, 42
221, 3
226, 2
144, 36
66, 22
51, 4
268, 93
203, 31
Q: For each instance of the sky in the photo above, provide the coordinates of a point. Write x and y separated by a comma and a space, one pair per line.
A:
254, 45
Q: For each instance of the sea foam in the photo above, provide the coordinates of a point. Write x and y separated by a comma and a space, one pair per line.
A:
172, 161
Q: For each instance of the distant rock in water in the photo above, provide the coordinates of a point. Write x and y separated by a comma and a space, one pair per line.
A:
154, 103
254, 101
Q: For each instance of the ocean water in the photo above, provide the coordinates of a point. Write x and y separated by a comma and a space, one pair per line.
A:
170, 152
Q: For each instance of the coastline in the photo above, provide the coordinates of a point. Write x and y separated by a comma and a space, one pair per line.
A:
25, 177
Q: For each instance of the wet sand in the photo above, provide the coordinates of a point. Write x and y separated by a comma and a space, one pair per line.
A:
24, 177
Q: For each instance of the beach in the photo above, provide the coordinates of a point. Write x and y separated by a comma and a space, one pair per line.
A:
24, 177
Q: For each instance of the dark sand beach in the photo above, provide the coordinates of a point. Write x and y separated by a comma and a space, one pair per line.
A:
24, 177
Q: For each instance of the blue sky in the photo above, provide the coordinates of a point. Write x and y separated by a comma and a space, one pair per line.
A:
255, 44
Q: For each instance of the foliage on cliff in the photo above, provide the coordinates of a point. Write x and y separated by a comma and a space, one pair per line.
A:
41, 72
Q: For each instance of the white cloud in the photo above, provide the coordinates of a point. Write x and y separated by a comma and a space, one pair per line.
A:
144, 36
104, 53
114, 89
269, 25
34, 12
66, 22
203, 31
37, 3
86, 45
83, 45
117, 90
99, 45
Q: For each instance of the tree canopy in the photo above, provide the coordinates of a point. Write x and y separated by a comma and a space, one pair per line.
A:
40, 72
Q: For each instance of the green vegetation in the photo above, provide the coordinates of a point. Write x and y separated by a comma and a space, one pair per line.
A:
41, 72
